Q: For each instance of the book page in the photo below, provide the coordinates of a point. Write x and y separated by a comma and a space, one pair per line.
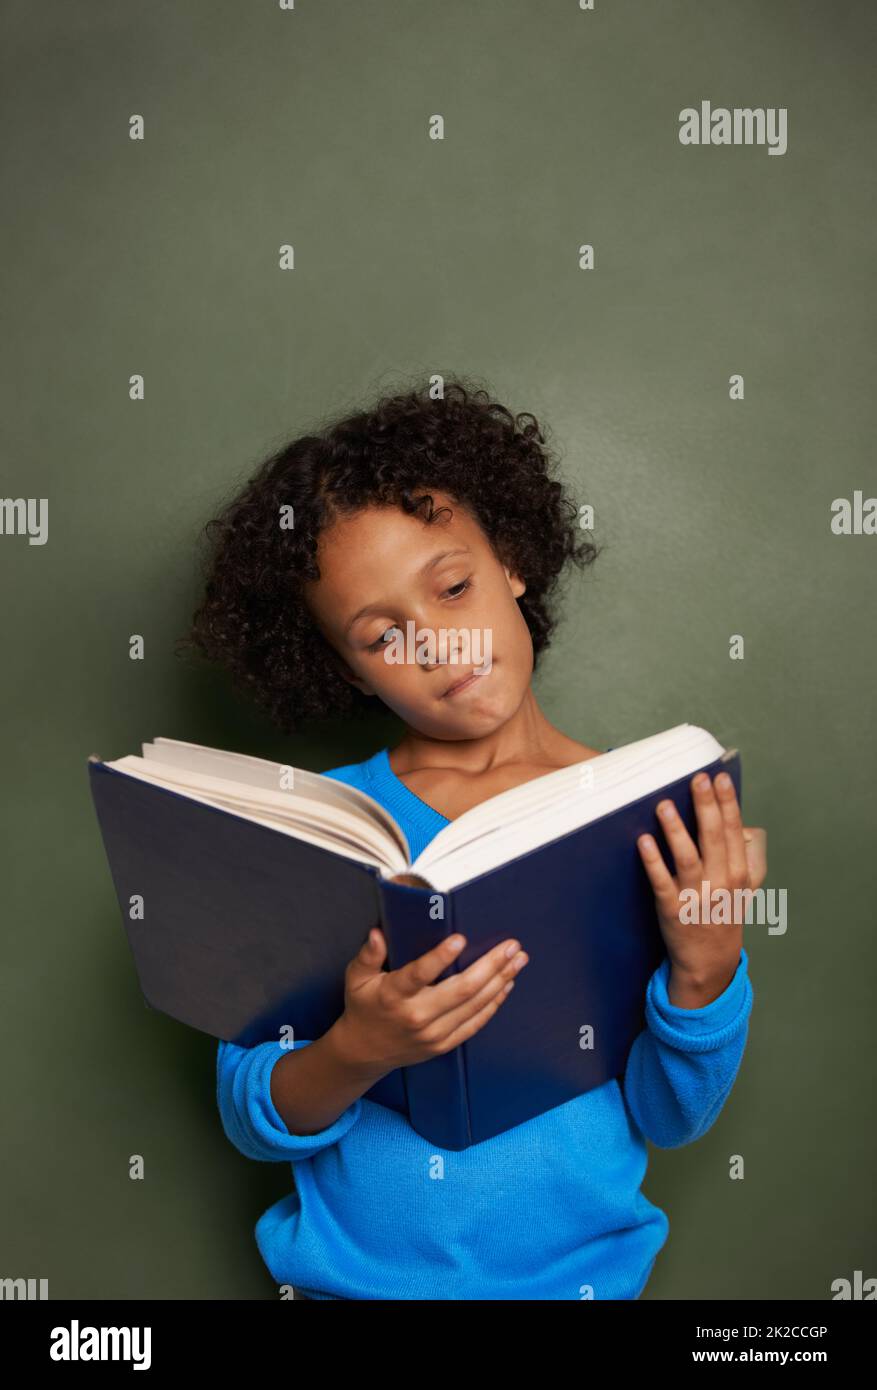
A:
264, 774
334, 826
539, 811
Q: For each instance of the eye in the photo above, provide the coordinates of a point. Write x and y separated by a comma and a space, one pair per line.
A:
463, 585
382, 640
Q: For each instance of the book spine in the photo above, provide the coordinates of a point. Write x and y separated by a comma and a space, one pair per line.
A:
414, 920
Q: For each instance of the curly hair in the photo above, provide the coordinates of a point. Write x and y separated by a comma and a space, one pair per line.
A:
253, 619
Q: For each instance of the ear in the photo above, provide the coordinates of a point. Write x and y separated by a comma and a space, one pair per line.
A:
516, 584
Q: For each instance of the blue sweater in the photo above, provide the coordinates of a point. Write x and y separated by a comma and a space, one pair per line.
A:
551, 1209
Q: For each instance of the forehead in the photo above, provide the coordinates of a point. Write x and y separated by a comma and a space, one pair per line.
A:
378, 541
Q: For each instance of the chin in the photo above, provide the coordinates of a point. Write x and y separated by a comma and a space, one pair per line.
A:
477, 718
478, 723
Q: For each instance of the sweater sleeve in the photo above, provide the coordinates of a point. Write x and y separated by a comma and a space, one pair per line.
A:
249, 1116
682, 1066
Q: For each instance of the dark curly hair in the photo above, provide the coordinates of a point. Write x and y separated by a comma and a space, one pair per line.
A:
254, 620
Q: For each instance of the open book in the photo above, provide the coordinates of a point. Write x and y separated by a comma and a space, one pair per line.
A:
328, 813
246, 887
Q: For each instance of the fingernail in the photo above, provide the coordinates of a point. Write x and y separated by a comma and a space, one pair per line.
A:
510, 950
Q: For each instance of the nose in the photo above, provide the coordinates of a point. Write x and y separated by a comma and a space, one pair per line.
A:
442, 649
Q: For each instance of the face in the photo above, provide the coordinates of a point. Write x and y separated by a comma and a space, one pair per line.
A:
392, 585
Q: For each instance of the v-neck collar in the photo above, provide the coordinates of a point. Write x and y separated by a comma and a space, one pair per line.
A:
396, 791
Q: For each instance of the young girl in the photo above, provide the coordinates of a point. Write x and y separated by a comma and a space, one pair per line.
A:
444, 513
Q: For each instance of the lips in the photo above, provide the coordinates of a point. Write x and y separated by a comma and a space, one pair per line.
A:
463, 683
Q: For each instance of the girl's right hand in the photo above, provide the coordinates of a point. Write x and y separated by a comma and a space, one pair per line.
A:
394, 1018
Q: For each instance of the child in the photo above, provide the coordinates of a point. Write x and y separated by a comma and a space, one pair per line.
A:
443, 513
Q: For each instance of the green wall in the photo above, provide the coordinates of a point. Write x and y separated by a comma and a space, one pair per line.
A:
415, 256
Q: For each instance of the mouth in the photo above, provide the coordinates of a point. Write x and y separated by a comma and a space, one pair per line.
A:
464, 683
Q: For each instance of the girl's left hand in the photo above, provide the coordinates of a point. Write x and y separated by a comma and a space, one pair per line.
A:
703, 955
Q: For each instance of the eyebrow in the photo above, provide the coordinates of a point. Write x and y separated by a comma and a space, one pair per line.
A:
424, 570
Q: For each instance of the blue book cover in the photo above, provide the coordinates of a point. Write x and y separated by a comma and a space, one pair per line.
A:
239, 929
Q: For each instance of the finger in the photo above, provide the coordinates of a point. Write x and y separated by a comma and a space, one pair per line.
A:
662, 881
710, 830
369, 958
732, 820
467, 1030
686, 858
454, 1017
755, 841
408, 979
426, 968
461, 989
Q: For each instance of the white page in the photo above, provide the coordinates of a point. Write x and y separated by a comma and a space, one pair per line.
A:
357, 836
529, 798
335, 815
644, 767
265, 774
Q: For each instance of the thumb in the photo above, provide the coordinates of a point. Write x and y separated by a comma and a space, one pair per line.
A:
755, 845
368, 959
